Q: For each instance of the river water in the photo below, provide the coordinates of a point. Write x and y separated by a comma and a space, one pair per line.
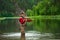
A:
29, 35
42, 25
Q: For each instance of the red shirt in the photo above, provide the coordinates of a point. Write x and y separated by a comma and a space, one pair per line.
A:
22, 20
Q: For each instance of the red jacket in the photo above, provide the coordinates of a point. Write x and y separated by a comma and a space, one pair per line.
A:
22, 20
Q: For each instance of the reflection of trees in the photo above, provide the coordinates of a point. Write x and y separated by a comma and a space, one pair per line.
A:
8, 25
48, 25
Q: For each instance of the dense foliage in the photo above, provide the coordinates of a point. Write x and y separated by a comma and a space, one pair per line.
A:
45, 7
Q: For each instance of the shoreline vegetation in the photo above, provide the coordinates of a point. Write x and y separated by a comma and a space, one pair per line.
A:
37, 17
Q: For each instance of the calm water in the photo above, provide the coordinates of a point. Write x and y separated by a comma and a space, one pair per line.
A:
41, 25
29, 35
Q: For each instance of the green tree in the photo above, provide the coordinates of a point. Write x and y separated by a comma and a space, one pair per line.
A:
29, 13
46, 7
6, 8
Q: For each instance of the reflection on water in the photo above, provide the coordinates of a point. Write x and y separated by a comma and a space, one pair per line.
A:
30, 35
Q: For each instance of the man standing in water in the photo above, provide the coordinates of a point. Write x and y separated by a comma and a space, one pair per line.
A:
23, 19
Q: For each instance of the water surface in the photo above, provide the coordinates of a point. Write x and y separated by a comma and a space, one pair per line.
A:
29, 35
